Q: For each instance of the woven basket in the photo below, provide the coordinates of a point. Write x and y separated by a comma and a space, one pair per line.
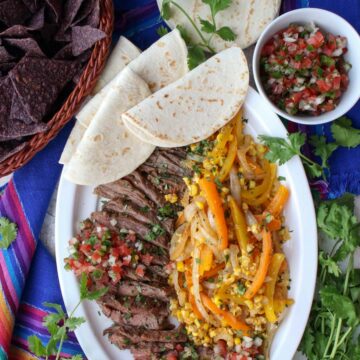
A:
81, 91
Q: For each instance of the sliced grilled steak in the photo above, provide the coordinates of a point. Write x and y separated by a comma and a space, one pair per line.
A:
140, 182
133, 288
144, 320
125, 189
158, 270
135, 305
168, 185
149, 276
116, 221
136, 335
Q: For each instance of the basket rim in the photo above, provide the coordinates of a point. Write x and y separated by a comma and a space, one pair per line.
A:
83, 88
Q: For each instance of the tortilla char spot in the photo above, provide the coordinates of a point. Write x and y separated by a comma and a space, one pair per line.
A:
98, 137
173, 114
125, 135
125, 151
158, 105
173, 64
166, 96
157, 120
160, 44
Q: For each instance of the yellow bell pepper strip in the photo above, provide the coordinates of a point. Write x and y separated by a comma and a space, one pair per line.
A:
258, 190
222, 139
263, 266
214, 201
265, 195
206, 259
213, 272
274, 269
226, 316
278, 202
280, 304
240, 225
229, 160
257, 170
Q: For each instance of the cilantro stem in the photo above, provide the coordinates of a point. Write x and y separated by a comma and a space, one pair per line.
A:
333, 321
205, 42
64, 334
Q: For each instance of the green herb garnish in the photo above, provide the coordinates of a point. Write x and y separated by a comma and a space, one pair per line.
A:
8, 232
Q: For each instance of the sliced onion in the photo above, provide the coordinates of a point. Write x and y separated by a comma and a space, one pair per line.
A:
251, 220
223, 335
195, 157
211, 219
196, 285
247, 171
179, 292
178, 241
208, 285
235, 187
190, 211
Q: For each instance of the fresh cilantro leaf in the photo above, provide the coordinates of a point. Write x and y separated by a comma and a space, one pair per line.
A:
184, 34
96, 294
77, 357
56, 307
341, 305
51, 322
166, 10
307, 343
323, 149
207, 26
83, 286
281, 178
36, 346
282, 150
226, 33
167, 211
344, 134
162, 31
314, 170
8, 232
74, 322
217, 5
196, 56
331, 265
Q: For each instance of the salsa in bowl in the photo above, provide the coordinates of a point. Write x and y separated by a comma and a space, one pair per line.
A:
305, 65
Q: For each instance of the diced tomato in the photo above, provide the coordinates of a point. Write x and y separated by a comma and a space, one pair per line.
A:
306, 63
316, 40
85, 248
140, 270
325, 107
296, 97
323, 85
172, 356
124, 250
96, 257
179, 347
336, 82
115, 252
131, 237
87, 233
344, 81
268, 49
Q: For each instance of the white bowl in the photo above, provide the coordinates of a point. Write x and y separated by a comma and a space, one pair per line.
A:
329, 22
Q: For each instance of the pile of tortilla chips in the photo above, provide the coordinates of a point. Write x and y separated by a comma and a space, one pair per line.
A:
44, 47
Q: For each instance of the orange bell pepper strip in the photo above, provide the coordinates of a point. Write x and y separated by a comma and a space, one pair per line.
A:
212, 272
189, 284
240, 224
263, 266
254, 166
214, 201
229, 318
274, 270
206, 259
229, 160
259, 189
274, 225
278, 202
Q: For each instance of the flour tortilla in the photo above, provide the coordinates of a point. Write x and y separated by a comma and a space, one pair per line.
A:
247, 18
108, 151
194, 107
123, 53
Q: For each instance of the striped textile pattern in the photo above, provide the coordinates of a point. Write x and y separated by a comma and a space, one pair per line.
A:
27, 272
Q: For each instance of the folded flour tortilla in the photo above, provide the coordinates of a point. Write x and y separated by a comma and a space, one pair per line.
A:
122, 54
195, 106
160, 65
107, 150
247, 18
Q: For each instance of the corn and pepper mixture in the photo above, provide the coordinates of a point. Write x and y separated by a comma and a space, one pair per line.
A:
229, 271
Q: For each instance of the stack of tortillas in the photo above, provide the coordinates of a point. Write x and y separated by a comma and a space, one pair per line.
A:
247, 18
152, 100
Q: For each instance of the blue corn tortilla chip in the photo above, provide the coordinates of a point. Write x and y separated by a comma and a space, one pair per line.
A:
14, 129
9, 148
84, 37
84, 12
37, 21
7, 66
28, 45
39, 81
32, 5
5, 56
56, 7
93, 19
18, 111
13, 12
71, 9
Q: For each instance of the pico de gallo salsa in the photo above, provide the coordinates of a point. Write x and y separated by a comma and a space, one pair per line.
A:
303, 69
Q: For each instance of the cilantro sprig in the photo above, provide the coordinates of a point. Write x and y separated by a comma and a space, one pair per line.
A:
8, 232
206, 32
331, 332
282, 150
59, 324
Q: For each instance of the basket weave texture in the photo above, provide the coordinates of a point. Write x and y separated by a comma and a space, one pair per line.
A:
83, 88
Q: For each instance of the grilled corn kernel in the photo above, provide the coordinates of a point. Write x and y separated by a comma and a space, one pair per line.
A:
200, 205
180, 266
206, 326
212, 333
197, 323
225, 190
171, 198
242, 182
252, 184
186, 181
194, 189
237, 341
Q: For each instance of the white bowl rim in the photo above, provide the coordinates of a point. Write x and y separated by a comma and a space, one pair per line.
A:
305, 120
